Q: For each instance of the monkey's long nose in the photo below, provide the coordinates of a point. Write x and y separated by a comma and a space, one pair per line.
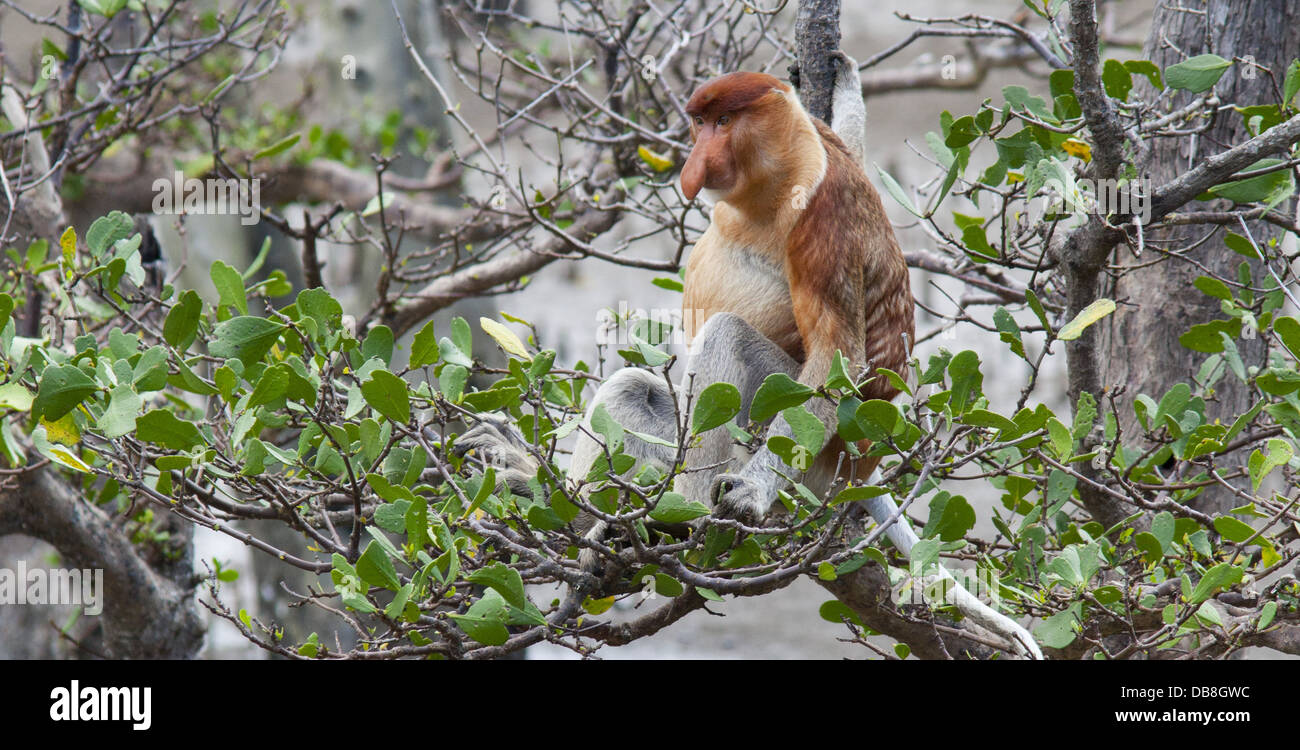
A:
693, 174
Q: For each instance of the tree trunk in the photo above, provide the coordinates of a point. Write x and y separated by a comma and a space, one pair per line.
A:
817, 35
1158, 302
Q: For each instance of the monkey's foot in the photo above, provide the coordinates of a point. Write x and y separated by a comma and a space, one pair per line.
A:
497, 443
739, 498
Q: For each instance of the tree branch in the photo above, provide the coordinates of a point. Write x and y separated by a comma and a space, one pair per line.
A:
146, 615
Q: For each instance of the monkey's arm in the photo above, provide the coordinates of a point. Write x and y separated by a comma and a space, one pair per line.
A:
848, 109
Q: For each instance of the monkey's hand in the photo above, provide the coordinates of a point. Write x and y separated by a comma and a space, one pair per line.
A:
848, 110
739, 497
496, 442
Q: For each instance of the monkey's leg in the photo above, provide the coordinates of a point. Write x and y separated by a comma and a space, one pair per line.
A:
848, 110
726, 350
637, 400
496, 442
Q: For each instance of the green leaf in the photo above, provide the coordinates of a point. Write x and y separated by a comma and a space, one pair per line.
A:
896, 192
1149, 546
877, 419
674, 508
1279, 453
607, 427
376, 568
230, 286
1290, 88
505, 580
62, 388
1213, 287
424, 348
485, 621
1266, 615
985, 418
182, 321
1009, 331
378, 343
1221, 576
1086, 317
715, 406
809, 432
123, 407
1085, 413
1117, 79
1059, 630
271, 386
1232, 529
1207, 613
838, 612
777, 393
1148, 69
1270, 188
462, 336
279, 147
246, 338
318, 305
1196, 74
951, 517
163, 428
389, 395
107, 230
964, 370
453, 354
452, 380
853, 494
6, 309
1288, 330
14, 395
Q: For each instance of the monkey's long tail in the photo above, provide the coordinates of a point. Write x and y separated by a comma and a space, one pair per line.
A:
883, 509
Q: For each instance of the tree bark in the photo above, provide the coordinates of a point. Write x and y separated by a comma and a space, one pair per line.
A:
1157, 303
817, 35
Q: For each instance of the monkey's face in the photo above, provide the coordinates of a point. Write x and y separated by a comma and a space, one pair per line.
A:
712, 163
722, 112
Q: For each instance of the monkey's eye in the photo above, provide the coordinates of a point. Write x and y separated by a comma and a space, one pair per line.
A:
724, 119
699, 120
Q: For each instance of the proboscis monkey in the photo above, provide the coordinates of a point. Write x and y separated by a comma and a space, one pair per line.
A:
799, 262
799, 247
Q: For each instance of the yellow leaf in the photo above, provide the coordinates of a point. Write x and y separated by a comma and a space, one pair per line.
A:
657, 162
598, 606
505, 338
1078, 148
1086, 317
1014, 177
67, 459
64, 430
68, 243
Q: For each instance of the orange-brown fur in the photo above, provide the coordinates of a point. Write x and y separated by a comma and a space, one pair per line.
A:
814, 278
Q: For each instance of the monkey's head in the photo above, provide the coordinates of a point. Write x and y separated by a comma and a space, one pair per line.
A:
730, 117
